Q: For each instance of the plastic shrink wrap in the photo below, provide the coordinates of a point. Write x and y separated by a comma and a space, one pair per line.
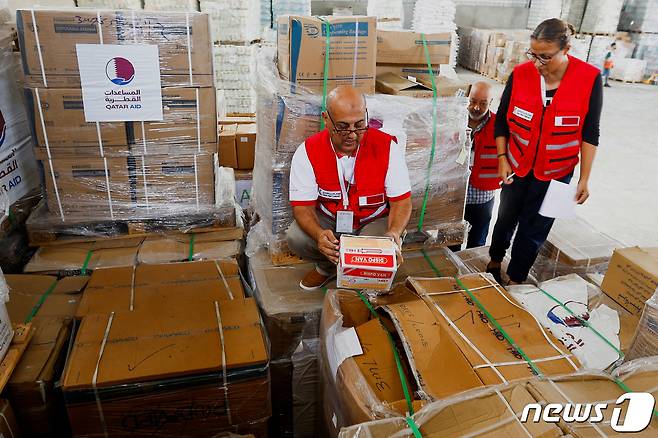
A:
472, 353
645, 342
573, 246
639, 16
171, 5
294, 115
233, 20
629, 70
496, 411
110, 4
191, 351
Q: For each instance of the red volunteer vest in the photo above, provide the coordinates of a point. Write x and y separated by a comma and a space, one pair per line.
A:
367, 196
484, 174
547, 140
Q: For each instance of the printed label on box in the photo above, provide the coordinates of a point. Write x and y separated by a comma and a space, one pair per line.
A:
120, 82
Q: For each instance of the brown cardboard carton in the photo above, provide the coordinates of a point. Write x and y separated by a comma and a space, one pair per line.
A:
245, 144
204, 246
418, 71
406, 47
183, 41
486, 412
141, 287
390, 83
228, 154
173, 360
189, 121
429, 262
237, 120
632, 277
301, 51
487, 347
31, 388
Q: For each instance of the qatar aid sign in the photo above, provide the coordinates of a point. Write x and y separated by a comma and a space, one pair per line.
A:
120, 82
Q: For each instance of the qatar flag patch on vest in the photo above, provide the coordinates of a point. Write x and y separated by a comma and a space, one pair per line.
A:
365, 201
525, 115
567, 120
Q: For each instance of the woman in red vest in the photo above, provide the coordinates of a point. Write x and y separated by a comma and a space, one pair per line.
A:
548, 121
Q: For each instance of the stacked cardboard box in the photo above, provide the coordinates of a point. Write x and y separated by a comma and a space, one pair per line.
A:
423, 321
294, 117
499, 410
170, 340
121, 170
237, 145
49, 304
573, 246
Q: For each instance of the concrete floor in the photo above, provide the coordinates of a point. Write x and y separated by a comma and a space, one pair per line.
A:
624, 183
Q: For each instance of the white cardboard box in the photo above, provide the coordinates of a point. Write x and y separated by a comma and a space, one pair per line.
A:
366, 262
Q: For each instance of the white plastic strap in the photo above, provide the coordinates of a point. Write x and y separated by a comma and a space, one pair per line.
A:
98, 24
143, 138
132, 289
523, 362
509, 408
107, 186
224, 377
198, 122
50, 161
36, 37
551, 343
7, 425
356, 51
189, 46
146, 190
196, 181
94, 378
221, 274
557, 388
100, 139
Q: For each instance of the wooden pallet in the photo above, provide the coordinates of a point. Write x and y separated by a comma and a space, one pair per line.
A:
22, 335
624, 81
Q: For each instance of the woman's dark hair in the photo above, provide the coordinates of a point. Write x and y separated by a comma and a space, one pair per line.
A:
554, 30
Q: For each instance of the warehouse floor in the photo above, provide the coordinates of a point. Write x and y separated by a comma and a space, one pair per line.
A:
623, 201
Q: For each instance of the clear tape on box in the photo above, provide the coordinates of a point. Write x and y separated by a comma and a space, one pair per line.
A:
171, 5
294, 116
573, 247
645, 342
233, 20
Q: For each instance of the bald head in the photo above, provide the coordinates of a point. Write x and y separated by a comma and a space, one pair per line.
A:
346, 113
479, 100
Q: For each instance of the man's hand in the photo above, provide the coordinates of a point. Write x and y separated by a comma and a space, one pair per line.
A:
328, 245
504, 170
398, 241
582, 192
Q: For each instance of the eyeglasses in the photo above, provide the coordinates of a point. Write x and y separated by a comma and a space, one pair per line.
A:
479, 103
543, 59
346, 131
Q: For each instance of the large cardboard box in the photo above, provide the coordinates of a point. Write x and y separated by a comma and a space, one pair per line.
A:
141, 287
183, 41
390, 83
228, 154
245, 144
202, 364
632, 277
189, 121
406, 47
50, 304
367, 262
352, 52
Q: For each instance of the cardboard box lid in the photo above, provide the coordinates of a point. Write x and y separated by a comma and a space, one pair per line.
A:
369, 247
645, 258
467, 320
141, 287
391, 83
632, 277
157, 250
172, 338
406, 47
26, 292
73, 257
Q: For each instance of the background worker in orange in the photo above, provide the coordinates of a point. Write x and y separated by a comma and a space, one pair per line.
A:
346, 179
484, 179
548, 121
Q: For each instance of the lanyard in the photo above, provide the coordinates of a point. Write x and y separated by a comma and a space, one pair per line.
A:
543, 90
344, 190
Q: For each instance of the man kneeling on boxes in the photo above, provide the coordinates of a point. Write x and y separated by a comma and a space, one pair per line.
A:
346, 179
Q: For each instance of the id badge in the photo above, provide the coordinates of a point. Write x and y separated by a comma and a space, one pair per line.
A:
344, 221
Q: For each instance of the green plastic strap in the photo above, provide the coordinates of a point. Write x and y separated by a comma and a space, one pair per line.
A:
38, 305
431, 263
583, 322
433, 150
12, 218
398, 362
327, 31
85, 265
190, 255
499, 327
414, 427
624, 387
